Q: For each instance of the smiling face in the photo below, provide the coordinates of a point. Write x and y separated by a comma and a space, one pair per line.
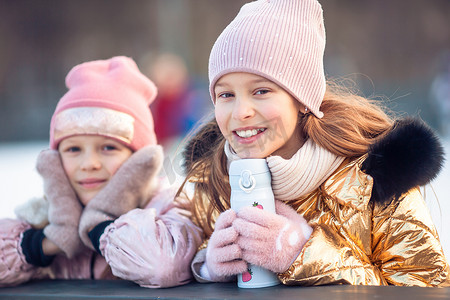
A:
257, 117
90, 161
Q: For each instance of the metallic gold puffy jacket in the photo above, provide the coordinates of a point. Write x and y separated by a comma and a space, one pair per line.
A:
357, 241
371, 224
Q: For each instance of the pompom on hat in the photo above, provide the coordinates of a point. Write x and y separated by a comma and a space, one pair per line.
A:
281, 40
109, 98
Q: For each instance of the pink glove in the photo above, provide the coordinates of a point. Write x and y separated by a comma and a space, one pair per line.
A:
131, 187
223, 255
64, 207
272, 241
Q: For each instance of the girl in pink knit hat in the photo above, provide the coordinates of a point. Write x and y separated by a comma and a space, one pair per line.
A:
345, 175
104, 215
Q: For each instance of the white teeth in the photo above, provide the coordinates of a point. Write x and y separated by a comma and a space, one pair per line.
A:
249, 133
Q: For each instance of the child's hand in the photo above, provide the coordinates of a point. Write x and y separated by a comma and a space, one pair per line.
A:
64, 207
223, 255
272, 241
130, 187
151, 249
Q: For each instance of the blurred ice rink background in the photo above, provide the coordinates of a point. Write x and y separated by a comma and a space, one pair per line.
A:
20, 182
388, 47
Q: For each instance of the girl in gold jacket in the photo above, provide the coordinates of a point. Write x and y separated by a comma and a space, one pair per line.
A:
344, 174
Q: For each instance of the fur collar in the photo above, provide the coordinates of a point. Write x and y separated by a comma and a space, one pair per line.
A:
409, 155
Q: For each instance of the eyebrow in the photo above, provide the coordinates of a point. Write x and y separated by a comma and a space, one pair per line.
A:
219, 85
254, 81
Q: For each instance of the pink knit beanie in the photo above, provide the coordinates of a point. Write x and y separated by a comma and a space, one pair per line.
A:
109, 98
281, 40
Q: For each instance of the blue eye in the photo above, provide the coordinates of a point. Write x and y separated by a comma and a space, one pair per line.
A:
262, 92
73, 149
109, 148
225, 95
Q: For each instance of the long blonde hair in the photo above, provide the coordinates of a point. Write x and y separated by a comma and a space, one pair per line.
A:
350, 124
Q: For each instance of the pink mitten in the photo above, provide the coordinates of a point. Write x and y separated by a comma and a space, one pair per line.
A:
150, 247
131, 187
64, 207
223, 255
272, 241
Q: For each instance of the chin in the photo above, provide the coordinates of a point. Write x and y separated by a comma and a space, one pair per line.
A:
85, 200
252, 151
250, 154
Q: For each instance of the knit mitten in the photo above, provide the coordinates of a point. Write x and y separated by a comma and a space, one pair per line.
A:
131, 187
223, 254
272, 241
64, 207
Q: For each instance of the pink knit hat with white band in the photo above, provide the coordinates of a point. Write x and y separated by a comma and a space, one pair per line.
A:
109, 98
281, 40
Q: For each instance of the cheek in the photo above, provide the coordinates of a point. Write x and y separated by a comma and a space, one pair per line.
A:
284, 123
116, 164
114, 169
69, 167
273, 115
291, 120
221, 118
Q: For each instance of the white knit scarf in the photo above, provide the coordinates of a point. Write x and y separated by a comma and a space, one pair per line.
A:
292, 178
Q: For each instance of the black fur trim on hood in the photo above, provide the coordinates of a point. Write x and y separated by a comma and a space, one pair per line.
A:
408, 156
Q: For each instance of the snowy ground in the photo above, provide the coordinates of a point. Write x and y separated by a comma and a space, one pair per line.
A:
19, 182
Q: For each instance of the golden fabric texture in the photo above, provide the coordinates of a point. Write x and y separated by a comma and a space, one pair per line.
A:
359, 242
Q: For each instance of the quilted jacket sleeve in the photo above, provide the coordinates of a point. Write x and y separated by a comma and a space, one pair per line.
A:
404, 250
14, 269
153, 246
406, 246
329, 257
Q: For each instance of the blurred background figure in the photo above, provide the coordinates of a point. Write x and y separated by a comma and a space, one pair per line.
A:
387, 47
440, 95
180, 102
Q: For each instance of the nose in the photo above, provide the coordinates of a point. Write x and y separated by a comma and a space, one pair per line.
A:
243, 109
91, 161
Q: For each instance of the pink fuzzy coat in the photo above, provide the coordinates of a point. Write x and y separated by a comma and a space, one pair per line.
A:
152, 247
